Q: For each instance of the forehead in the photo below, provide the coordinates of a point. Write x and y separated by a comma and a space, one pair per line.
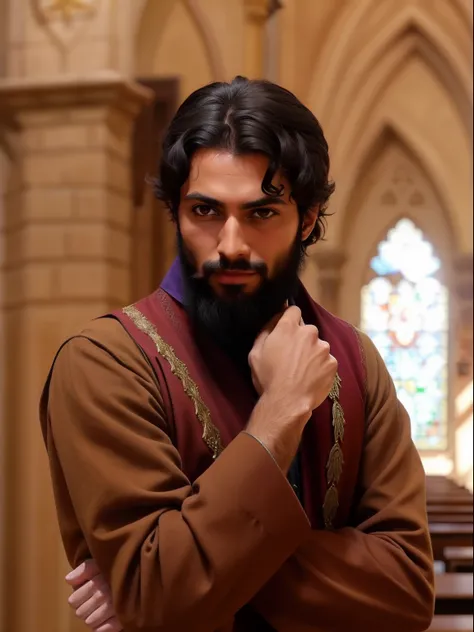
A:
229, 178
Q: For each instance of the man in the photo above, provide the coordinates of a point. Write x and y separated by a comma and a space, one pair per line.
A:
232, 456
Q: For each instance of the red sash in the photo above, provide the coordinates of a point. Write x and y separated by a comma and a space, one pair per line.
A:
208, 401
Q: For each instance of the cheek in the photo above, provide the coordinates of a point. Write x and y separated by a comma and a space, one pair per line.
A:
276, 248
200, 239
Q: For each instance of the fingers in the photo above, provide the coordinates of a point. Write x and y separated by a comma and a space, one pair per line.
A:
98, 617
83, 573
266, 331
81, 595
113, 625
100, 601
292, 316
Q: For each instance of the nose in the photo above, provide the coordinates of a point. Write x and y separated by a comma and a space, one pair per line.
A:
232, 244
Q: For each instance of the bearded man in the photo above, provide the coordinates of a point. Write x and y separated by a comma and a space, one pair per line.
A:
232, 456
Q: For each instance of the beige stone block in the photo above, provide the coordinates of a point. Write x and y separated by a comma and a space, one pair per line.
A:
13, 247
43, 241
85, 279
15, 61
68, 169
44, 118
100, 135
89, 56
103, 204
13, 288
119, 174
118, 284
120, 209
93, 280
99, 26
48, 203
65, 137
32, 31
90, 203
39, 282
98, 240
42, 170
32, 139
119, 245
89, 114
42, 59
31, 282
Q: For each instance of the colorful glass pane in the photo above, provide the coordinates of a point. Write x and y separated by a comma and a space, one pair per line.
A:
405, 312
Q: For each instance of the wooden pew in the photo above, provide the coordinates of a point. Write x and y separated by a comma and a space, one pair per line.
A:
445, 535
454, 593
451, 623
458, 559
452, 518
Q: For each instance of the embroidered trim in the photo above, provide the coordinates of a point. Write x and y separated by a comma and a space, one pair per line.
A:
335, 462
211, 435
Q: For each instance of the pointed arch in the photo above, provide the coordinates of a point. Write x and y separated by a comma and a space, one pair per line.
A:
375, 141
151, 23
370, 215
381, 141
348, 83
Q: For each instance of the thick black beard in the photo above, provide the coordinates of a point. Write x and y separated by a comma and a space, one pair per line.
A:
235, 321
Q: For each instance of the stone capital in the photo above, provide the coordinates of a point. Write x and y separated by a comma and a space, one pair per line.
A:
108, 89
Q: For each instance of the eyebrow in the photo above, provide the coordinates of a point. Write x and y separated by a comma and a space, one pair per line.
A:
261, 202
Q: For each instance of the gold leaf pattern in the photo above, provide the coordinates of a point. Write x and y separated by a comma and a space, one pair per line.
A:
210, 435
330, 507
336, 387
338, 421
335, 462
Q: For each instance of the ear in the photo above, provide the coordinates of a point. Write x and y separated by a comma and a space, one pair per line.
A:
309, 222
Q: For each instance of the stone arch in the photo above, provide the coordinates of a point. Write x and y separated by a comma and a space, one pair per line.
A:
355, 136
375, 139
151, 21
389, 152
329, 89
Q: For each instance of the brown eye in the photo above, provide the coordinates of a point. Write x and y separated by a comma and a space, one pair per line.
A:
203, 210
263, 213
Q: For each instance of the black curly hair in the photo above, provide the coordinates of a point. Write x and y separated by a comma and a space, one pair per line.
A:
250, 116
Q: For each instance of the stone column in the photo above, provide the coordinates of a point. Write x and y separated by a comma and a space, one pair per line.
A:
462, 380
256, 15
67, 207
329, 261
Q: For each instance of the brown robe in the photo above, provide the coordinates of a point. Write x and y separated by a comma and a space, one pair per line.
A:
185, 555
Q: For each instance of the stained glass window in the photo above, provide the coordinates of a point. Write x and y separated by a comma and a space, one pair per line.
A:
405, 312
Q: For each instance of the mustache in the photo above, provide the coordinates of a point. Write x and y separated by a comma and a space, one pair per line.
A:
226, 265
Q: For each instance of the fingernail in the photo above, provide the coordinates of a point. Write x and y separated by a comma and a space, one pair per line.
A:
72, 575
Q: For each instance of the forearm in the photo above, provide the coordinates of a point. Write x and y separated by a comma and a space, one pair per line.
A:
347, 579
203, 561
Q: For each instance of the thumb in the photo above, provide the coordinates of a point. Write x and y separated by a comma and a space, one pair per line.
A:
267, 330
83, 573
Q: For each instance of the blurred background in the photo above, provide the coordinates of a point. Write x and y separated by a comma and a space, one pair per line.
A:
86, 89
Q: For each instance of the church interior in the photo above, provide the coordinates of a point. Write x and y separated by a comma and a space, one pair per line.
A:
87, 88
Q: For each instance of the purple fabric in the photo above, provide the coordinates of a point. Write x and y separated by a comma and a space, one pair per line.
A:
172, 284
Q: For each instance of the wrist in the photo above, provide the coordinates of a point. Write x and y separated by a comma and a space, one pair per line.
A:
279, 428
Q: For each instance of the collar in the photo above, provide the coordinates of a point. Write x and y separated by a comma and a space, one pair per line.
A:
173, 284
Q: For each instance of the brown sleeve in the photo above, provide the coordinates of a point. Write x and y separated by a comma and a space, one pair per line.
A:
379, 575
178, 557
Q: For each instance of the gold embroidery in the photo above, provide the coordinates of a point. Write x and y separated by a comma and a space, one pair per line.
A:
210, 435
336, 459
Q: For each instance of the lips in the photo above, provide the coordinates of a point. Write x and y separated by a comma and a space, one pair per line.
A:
234, 277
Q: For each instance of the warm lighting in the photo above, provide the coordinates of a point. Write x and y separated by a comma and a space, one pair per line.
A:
440, 465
